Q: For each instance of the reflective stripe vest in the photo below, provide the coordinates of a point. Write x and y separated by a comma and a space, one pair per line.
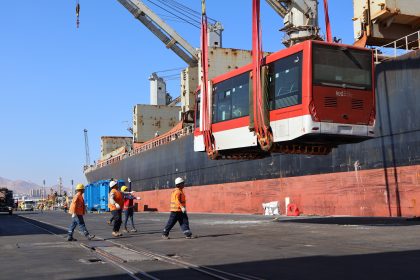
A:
177, 200
128, 201
118, 198
77, 205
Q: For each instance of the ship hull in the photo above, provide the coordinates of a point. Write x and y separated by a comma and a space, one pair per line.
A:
378, 177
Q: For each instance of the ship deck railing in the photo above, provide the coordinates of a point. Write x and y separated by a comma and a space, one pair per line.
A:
146, 146
399, 47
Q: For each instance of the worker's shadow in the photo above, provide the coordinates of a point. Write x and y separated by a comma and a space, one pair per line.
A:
208, 235
21, 213
147, 232
116, 238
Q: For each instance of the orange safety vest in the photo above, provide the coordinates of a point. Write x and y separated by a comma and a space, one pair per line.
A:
77, 205
177, 200
118, 198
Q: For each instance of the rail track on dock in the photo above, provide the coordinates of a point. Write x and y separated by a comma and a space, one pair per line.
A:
100, 247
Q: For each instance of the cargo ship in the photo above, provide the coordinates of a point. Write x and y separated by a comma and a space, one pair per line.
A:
377, 177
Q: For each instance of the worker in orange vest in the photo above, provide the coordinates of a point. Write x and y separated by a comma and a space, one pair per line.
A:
178, 211
115, 202
77, 210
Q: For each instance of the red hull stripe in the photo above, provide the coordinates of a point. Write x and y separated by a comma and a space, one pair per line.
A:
357, 193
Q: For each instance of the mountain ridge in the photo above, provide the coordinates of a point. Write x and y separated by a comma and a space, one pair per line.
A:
18, 186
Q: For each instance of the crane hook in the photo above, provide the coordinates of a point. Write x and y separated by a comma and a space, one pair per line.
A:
77, 14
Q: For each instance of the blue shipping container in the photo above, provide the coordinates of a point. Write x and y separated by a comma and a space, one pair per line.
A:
96, 195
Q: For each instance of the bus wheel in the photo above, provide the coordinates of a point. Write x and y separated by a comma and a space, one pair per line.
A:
214, 154
265, 141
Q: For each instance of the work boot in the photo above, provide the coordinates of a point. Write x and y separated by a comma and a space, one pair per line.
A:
133, 230
116, 234
165, 237
70, 238
125, 230
90, 236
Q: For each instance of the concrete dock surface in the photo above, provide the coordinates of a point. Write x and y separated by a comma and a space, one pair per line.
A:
33, 246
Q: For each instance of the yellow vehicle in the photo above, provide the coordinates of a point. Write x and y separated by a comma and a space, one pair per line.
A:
27, 205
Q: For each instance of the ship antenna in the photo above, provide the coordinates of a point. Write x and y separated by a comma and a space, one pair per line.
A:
87, 148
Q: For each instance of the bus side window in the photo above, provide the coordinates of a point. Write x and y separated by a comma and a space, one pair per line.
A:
224, 107
285, 81
214, 105
231, 98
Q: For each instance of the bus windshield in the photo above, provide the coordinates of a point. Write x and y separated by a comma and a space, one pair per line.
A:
342, 67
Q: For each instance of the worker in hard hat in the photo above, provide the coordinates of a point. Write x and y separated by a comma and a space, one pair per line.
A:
128, 208
77, 210
178, 211
115, 202
111, 220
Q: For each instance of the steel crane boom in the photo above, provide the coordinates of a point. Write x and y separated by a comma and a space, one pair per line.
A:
162, 30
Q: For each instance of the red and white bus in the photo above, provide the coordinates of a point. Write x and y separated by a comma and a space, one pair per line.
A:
319, 95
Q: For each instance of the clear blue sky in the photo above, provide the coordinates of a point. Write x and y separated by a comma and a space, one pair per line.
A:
56, 80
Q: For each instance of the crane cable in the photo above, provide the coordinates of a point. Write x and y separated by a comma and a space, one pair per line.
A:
180, 12
261, 128
195, 24
209, 142
191, 11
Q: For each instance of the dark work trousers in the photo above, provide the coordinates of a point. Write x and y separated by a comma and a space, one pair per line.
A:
129, 213
117, 216
180, 217
77, 220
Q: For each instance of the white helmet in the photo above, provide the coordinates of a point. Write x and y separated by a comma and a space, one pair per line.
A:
178, 181
112, 184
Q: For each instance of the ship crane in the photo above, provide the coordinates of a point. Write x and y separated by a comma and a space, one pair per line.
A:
166, 33
181, 47
306, 99
300, 20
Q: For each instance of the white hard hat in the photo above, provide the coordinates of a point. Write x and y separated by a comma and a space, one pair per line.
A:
112, 184
179, 180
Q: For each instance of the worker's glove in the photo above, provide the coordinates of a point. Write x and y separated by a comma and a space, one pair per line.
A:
138, 198
73, 215
132, 192
118, 206
129, 180
183, 209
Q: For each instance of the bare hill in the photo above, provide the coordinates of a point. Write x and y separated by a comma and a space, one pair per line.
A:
18, 186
